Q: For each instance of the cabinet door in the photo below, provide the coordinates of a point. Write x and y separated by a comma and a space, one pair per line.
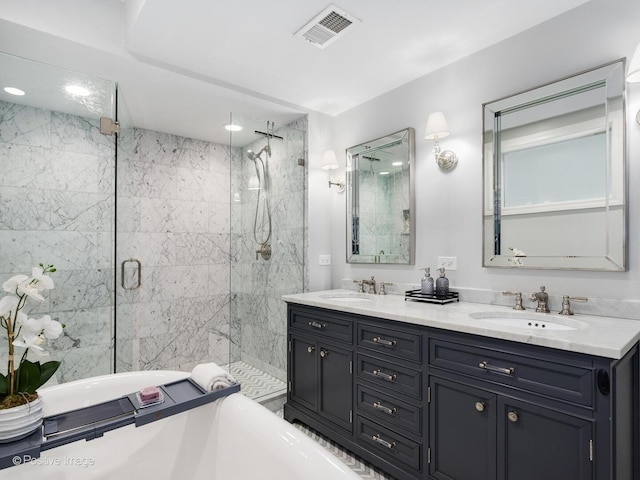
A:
336, 385
303, 367
539, 443
462, 426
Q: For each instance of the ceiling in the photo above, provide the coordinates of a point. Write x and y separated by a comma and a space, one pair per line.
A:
184, 66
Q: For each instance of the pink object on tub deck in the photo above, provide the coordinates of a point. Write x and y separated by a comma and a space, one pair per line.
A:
231, 438
150, 394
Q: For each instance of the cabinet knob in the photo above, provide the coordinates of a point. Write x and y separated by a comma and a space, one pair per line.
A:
512, 416
480, 406
310, 348
324, 353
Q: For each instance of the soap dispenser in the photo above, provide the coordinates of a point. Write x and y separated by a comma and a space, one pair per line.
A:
426, 285
442, 284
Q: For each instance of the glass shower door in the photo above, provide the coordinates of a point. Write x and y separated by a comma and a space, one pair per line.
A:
57, 205
267, 242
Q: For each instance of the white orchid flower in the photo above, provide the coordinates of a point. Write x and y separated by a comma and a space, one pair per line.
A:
31, 290
8, 305
44, 282
30, 341
52, 328
11, 285
31, 326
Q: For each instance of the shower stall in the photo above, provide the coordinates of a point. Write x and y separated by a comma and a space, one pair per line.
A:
268, 178
154, 236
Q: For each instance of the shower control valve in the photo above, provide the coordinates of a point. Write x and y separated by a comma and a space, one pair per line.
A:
265, 251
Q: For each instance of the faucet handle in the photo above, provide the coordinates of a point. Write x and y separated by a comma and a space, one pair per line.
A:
383, 291
518, 295
566, 305
360, 285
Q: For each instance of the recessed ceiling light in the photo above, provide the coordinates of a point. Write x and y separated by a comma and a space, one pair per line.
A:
77, 90
14, 91
232, 127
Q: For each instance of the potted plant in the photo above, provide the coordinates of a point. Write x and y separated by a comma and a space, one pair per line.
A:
20, 406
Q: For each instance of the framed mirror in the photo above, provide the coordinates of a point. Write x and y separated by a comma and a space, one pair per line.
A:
555, 175
380, 200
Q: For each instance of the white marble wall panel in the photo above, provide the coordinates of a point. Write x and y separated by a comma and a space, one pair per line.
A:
56, 206
23, 125
24, 165
77, 134
174, 217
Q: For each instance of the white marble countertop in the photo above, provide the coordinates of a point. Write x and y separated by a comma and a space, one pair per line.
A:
602, 336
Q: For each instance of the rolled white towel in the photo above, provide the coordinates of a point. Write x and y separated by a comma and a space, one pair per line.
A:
211, 377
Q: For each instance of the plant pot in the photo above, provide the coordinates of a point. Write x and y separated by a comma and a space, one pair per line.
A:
20, 422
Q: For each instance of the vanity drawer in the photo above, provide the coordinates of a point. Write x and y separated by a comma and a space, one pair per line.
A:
389, 376
554, 378
390, 445
402, 343
326, 323
389, 410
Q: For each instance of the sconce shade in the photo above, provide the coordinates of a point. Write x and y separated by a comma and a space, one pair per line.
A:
634, 67
436, 126
329, 160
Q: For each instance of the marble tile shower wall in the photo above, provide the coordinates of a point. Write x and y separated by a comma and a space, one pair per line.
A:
173, 216
56, 206
259, 318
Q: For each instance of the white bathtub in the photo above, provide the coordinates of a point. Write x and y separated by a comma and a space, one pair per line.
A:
233, 438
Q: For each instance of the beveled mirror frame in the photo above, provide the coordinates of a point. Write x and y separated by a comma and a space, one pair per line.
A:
404, 216
613, 205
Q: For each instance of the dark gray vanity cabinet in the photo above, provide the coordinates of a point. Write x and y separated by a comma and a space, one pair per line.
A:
321, 366
503, 437
390, 388
431, 404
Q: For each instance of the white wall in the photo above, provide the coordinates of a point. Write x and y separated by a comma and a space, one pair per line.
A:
449, 205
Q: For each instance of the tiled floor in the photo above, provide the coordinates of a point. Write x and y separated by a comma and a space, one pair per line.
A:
363, 469
265, 389
255, 383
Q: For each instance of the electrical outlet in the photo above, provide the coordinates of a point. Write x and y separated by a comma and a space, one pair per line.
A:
324, 260
448, 263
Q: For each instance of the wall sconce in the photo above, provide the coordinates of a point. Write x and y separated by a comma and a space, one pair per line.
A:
634, 73
437, 128
330, 162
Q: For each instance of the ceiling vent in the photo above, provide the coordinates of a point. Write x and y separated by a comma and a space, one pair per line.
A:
326, 27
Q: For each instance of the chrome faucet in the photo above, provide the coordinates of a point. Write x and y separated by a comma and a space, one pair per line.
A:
542, 298
518, 295
372, 284
566, 305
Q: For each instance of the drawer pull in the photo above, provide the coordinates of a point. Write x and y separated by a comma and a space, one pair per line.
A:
315, 324
382, 341
491, 368
387, 410
512, 416
310, 348
385, 376
480, 406
384, 443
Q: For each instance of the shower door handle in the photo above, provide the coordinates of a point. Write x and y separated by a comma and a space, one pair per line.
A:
138, 276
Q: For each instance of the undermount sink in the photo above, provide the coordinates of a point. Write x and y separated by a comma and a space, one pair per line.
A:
346, 297
528, 321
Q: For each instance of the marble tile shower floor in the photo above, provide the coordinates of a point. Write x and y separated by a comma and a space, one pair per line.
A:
255, 383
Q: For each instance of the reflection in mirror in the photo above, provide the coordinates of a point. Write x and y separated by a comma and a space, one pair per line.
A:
380, 200
554, 175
